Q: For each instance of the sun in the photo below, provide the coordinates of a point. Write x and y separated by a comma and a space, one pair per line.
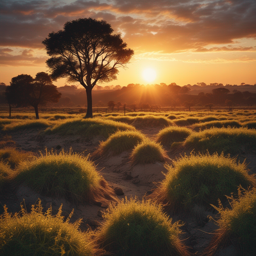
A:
149, 74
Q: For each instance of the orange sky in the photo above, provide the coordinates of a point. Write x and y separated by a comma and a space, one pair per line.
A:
185, 41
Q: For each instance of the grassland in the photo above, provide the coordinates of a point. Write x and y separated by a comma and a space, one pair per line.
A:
185, 161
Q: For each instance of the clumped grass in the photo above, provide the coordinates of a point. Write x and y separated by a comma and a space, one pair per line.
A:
227, 140
186, 121
120, 141
151, 121
139, 228
237, 224
218, 124
64, 175
39, 233
123, 119
172, 134
202, 180
28, 124
5, 175
148, 152
208, 119
89, 127
250, 125
13, 157
171, 117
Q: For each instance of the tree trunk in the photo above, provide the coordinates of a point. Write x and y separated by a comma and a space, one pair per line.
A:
36, 111
10, 111
89, 102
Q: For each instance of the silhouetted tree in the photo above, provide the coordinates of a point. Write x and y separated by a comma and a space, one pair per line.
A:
210, 105
86, 51
118, 105
26, 91
111, 104
220, 91
229, 103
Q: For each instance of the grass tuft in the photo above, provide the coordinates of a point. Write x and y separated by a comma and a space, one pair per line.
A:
22, 125
89, 127
202, 180
139, 228
227, 140
13, 157
148, 152
218, 124
237, 224
172, 134
62, 175
151, 121
120, 141
39, 233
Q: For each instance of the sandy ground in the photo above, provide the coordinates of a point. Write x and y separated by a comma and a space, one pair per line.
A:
129, 181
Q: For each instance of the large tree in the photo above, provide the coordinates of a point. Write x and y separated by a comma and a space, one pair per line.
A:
88, 52
26, 91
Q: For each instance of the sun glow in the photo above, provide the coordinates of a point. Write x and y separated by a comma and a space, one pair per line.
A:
149, 74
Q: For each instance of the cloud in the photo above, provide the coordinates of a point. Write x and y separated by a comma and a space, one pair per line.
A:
147, 25
23, 58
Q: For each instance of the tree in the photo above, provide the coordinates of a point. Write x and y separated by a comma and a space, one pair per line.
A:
86, 51
111, 104
118, 105
26, 91
220, 91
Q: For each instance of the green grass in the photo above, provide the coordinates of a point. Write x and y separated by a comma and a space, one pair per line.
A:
186, 121
227, 140
13, 157
42, 234
202, 180
28, 124
218, 124
172, 134
61, 175
148, 152
250, 125
120, 141
151, 121
139, 228
89, 127
237, 225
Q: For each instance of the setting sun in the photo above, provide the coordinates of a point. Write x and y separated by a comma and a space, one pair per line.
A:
149, 74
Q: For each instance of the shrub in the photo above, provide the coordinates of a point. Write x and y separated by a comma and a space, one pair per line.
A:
63, 175
237, 225
172, 134
13, 157
120, 141
39, 233
202, 180
139, 228
148, 152
227, 140
89, 127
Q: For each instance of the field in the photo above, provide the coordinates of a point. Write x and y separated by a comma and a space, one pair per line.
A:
183, 163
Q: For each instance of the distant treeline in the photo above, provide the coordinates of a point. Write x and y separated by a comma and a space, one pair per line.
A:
138, 96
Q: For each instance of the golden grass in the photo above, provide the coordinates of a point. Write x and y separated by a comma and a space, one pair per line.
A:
139, 228
39, 233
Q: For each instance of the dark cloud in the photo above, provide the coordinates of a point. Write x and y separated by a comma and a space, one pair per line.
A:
147, 25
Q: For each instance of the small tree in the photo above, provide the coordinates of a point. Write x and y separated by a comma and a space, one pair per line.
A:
111, 104
26, 91
118, 105
86, 51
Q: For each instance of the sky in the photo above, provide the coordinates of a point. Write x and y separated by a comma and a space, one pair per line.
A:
184, 41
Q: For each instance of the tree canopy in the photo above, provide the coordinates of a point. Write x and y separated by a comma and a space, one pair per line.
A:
88, 52
26, 91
